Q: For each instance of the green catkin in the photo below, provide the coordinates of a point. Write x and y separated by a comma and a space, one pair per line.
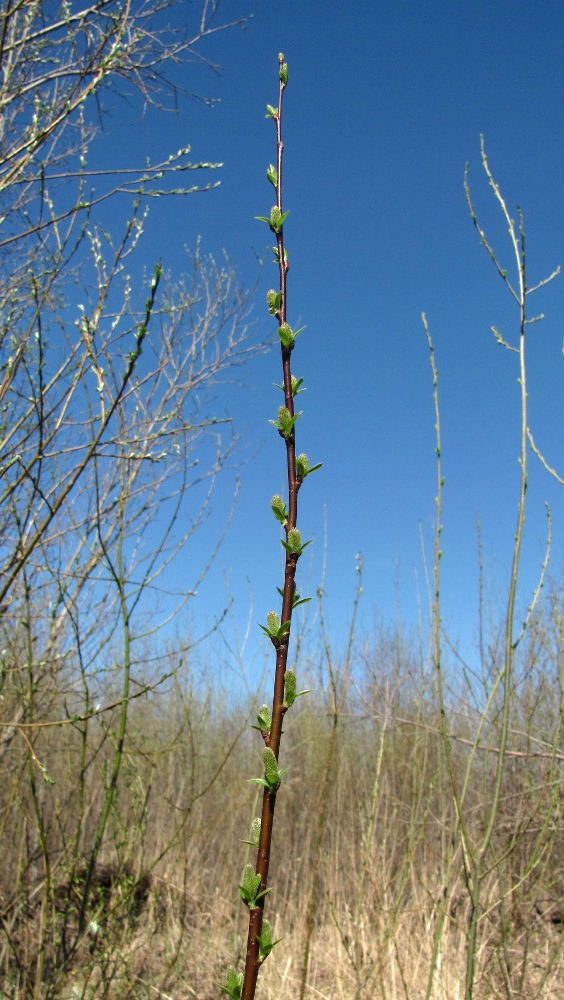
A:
286, 334
289, 688
264, 718
234, 981
250, 881
294, 539
273, 622
270, 766
279, 509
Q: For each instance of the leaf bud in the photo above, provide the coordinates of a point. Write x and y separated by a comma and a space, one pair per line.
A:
275, 217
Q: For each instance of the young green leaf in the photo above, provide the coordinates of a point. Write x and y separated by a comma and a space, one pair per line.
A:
271, 112
296, 383
296, 600
296, 603
277, 254
272, 175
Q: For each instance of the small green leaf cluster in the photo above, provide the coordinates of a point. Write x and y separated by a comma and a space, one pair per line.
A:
272, 776
264, 719
250, 885
264, 940
269, 721
276, 219
276, 253
294, 545
273, 629
234, 981
303, 467
296, 600
288, 336
142, 331
295, 383
285, 423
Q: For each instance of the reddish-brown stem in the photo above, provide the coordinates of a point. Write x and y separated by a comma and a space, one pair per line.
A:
252, 962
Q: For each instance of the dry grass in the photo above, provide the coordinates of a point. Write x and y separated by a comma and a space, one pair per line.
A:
184, 805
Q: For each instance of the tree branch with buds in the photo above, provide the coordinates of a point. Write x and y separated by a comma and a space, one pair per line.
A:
254, 885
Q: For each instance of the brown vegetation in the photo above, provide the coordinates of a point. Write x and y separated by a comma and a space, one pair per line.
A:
392, 908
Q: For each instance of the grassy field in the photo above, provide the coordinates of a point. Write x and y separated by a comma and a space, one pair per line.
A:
368, 854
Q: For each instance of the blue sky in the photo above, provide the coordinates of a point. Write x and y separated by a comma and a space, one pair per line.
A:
385, 104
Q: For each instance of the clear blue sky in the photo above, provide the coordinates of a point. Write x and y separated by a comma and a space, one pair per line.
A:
385, 104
